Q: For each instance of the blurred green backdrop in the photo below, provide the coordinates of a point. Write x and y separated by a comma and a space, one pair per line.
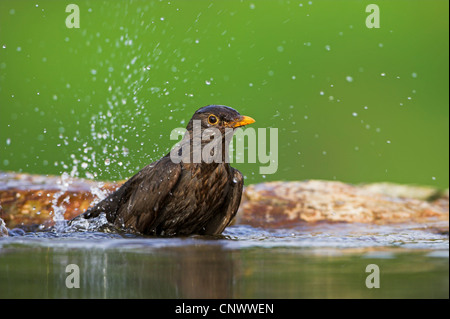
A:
350, 103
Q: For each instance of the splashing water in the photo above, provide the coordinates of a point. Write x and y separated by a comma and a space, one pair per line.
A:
59, 210
62, 197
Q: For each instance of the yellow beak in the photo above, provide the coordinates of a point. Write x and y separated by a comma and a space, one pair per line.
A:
241, 121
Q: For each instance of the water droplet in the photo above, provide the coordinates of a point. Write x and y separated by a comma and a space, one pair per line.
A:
349, 78
383, 74
414, 75
355, 114
327, 47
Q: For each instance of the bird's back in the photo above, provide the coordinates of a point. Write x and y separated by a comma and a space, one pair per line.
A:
167, 198
199, 194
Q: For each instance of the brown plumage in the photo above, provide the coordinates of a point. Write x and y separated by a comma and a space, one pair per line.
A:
173, 198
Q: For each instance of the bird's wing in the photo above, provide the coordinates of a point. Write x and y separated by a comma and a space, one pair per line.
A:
109, 205
223, 216
138, 200
147, 191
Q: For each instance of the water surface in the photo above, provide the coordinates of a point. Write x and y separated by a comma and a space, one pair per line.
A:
327, 261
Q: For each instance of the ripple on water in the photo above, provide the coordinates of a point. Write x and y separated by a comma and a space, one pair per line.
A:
338, 237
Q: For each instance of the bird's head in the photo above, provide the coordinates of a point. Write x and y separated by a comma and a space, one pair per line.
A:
213, 127
220, 117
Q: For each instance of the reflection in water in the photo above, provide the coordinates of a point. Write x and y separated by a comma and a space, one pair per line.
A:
209, 270
321, 262
205, 271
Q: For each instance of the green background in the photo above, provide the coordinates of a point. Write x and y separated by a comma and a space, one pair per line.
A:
104, 98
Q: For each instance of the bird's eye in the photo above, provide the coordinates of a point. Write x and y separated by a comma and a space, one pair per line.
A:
212, 119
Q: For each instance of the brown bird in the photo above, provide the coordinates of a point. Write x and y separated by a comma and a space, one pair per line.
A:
191, 190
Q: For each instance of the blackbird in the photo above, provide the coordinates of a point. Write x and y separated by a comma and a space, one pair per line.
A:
177, 195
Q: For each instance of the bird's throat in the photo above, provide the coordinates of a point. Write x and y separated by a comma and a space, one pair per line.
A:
208, 147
